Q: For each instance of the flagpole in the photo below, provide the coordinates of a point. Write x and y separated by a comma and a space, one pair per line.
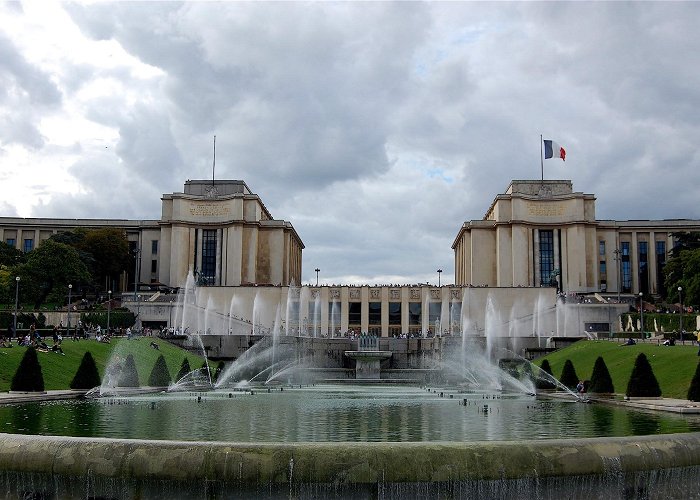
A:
213, 165
541, 159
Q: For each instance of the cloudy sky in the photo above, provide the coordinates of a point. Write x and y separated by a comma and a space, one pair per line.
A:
377, 129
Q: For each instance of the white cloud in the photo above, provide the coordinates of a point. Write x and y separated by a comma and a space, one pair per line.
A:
377, 129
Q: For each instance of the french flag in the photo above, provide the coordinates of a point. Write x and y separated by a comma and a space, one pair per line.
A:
553, 150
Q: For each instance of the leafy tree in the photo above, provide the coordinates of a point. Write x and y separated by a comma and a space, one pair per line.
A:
683, 269
694, 390
28, 376
160, 376
543, 382
129, 377
568, 375
642, 382
48, 271
184, 370
10, 256
601, 381
87, 375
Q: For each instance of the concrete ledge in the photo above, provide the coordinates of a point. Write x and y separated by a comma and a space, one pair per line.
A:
357, 463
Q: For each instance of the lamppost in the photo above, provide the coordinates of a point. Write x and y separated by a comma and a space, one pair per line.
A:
138, 310
16, 301
317, 271
439, 271
619, 273
136, 269
641, 313
680, 299
109, 308
70, 290
170, 323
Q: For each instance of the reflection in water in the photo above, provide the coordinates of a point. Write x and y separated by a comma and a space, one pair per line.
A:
335, 413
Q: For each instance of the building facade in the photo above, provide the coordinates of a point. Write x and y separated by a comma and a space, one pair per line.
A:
542, 233
220, 231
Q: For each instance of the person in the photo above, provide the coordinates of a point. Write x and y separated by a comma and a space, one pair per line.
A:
630, 341
128, 333
580, 387
155, 346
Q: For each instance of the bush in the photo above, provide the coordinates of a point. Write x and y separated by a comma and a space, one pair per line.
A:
601, 382
28, 376
568, 375
184, 370
160, 376
542, 381
129, 377
694, 391
642, 382
87, 375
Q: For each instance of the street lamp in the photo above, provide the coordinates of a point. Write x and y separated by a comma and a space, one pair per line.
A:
170, 323
70, 290
680, 299
16, 301
641, 313
138, 310
317, 271
109, 308
439, 271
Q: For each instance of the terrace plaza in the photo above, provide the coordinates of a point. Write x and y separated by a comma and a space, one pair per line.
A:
538, 245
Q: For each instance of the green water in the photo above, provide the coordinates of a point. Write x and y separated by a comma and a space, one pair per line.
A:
336, 413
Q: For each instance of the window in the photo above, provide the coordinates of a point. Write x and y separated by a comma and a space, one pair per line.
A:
209, 256
355, 313
546, 258
602, 268
601, 247
154, 266
394, 313
11, 242
414, 313
154, 247
28, 245
660, 263
643, 247
434, 312
375, 313
626, 267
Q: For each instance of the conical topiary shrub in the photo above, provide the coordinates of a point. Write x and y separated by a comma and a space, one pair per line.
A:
28, 376
694, 391
568, 375
642, 382
541, 380
184, 370
129, 377
160, 376
87, 375
601, 382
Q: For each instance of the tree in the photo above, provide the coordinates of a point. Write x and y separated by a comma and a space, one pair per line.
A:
568, 375
184, 370
543, 381
601, 382
683, 269
10, 256
694, 390
48, 271
87, 375
160, 376
129, 377
642, 382
28, 376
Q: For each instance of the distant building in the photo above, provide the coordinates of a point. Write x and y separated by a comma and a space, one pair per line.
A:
221, 231
542, 233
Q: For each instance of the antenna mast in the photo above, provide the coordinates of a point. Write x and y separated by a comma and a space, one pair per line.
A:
213, 167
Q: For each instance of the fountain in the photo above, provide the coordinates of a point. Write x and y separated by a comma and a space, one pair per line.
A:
268, 427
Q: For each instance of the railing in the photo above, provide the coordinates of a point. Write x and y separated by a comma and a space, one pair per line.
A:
368, 343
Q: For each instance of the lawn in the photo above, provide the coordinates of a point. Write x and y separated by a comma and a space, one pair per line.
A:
673, 367
59, 370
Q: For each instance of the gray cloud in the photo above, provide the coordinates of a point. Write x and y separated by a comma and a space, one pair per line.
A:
377, 129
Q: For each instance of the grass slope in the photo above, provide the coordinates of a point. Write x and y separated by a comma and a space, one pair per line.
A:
59, 370
673, 366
